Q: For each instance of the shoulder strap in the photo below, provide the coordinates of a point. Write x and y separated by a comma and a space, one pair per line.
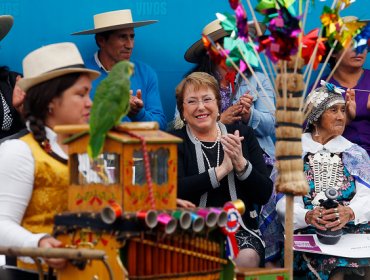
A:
17, 135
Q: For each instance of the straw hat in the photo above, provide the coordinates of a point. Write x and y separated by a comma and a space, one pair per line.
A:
52, 61
215, 31
112, 21
347, 19
6, 23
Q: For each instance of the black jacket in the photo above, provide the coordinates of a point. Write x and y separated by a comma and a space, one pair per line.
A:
254, 191
7, 82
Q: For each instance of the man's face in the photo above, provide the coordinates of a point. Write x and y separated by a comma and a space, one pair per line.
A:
119, 44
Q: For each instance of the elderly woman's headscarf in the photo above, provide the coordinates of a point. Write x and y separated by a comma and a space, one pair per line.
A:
319, 100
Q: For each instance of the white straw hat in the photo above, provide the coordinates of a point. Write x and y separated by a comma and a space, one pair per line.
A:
112, 21
52, 61
215, 31
6, 23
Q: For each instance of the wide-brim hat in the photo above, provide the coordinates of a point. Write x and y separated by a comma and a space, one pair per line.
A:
215, 31
347, 19
53, 61
6, 23
113, 21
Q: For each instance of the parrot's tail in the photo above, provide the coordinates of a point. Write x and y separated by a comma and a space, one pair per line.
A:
95, 145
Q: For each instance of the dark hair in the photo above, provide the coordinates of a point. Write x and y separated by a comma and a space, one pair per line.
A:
205, 64
37, 101
196, 80
104, 35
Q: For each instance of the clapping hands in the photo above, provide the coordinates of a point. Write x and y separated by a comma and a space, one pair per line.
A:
232, 146
136, 103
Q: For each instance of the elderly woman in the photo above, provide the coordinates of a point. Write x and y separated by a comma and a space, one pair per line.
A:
219, 163
347, 169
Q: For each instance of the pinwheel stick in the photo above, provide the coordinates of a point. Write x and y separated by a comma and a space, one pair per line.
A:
258, 29
338, 63
269, 105
309, 70
260, 62
324, 65
305, 13
257, 80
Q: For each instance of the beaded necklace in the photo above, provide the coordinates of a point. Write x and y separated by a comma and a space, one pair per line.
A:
217, 142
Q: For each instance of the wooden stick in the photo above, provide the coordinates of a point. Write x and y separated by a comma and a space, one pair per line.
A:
272, 73
256, 77
305, 13
288, 247
324, 65
310, 67
262, 65
269, 105
258, 28
337, 64
72, 254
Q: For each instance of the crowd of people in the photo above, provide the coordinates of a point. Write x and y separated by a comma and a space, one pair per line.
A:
227, 152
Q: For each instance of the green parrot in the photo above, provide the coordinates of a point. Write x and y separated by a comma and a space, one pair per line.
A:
111, 104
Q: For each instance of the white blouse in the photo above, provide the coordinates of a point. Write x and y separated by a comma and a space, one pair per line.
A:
360, 201
16, 185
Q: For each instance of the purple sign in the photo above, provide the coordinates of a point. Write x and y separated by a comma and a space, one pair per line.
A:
305, 243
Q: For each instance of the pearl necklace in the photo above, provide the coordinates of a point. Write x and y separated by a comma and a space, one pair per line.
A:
214, 144
217, 142
218, 155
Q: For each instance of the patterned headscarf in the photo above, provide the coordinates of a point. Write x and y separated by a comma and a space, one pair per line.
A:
321, 99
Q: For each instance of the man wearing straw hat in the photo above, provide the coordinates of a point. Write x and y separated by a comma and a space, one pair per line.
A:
10, 120
115, 36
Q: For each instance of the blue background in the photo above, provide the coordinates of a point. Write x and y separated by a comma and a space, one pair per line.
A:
161, 45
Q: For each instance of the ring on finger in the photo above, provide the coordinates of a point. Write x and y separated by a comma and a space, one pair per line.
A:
337, 215
336, 210
320, 214
339, 222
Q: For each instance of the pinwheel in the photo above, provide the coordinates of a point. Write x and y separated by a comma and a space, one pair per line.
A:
308, 45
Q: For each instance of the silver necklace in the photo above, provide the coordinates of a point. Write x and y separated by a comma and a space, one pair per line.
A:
217, 142
327, 171
214, 144
218, 155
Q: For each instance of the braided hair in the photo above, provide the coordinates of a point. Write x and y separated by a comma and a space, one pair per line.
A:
36, 104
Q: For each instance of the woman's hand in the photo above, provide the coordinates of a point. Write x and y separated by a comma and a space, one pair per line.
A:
231, 114
246, 101
51, 242
314, 217
232, 145
225, 168
18, 96
350, 105
330, 219
185, 204
336, 218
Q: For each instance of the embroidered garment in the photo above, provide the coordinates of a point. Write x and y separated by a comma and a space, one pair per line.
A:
324, 264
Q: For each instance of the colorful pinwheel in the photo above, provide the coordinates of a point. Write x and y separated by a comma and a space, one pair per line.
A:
308, 45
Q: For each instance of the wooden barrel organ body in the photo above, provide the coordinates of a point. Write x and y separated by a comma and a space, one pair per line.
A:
111, 207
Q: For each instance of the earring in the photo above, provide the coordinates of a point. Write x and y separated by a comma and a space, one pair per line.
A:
218, 114
184, 120
50, 110
316, 132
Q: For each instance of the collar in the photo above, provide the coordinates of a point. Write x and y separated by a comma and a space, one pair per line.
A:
96, 57
336, 145
52, 136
